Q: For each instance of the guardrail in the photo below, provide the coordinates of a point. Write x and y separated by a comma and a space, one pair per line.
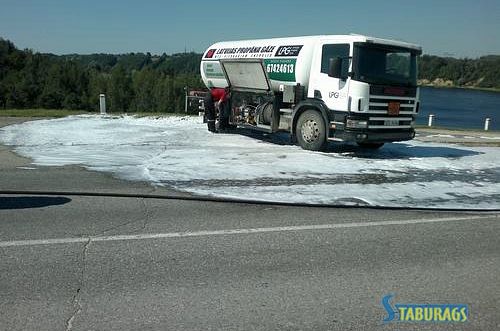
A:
487, 122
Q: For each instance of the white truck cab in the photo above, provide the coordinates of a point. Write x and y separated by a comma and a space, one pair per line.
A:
320, 88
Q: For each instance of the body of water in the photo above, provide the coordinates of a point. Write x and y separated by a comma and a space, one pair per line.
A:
459, 108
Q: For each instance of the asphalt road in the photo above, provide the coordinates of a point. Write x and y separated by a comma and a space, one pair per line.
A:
104, 263
88, 263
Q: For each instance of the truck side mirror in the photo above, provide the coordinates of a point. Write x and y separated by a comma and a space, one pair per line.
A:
335, 67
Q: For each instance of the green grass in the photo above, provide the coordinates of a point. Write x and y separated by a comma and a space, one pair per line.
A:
39, 112
54, 113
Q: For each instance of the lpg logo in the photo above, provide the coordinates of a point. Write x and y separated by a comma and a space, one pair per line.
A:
292, 50
337, 95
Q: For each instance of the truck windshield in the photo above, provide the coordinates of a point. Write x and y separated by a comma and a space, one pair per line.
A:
380, 64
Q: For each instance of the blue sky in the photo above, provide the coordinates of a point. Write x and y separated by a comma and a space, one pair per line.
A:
457, 28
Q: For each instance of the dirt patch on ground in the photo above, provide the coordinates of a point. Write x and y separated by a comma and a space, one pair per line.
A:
7, 120
460, 137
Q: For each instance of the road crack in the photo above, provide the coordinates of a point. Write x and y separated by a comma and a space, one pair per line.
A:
145, 220
77, 306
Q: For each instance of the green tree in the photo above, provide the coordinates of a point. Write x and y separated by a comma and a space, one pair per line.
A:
144, 82
98, 83
120, 89
163, 94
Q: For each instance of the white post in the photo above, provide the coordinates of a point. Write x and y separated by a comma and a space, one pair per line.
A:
102, 103
186, 99
431, 119
201, 109
487, 124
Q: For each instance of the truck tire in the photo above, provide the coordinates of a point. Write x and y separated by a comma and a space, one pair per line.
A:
310, 131
371, 145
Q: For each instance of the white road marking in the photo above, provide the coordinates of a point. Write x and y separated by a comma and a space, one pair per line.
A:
147, 236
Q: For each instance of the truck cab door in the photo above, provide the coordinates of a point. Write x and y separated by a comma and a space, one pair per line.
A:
333, 91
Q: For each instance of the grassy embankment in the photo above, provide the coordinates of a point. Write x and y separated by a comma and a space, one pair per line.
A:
57, 113
39, 112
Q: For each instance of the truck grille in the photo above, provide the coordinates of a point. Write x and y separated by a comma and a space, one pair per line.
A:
379, 104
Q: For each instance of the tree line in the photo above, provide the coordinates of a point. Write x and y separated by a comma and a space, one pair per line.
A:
132, 82
155, 83
483, 72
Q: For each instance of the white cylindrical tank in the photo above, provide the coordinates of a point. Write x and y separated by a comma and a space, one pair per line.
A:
287, 60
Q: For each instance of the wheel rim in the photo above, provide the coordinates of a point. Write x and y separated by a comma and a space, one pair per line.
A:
310, 131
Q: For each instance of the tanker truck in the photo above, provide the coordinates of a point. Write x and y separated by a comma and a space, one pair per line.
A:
347, 88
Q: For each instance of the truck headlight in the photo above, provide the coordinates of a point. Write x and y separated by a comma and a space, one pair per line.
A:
357, 124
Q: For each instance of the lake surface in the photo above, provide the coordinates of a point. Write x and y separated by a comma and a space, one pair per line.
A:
459, 108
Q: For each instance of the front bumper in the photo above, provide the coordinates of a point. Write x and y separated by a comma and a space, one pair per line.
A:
372, 136
371, 129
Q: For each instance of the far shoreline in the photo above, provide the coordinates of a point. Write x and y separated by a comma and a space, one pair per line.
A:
469, 88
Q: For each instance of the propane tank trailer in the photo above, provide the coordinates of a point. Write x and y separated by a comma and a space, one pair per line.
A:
349, 88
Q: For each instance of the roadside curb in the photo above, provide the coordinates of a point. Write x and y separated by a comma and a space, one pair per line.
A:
462, 137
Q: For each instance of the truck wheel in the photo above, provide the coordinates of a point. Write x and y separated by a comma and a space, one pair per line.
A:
371, 145
310, 131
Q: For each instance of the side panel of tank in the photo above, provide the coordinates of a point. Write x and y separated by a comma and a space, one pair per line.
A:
287, 60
